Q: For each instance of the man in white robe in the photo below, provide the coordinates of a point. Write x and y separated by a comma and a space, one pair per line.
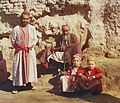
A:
24, 39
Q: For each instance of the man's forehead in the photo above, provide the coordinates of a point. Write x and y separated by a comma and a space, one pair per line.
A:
65, 27
25, 16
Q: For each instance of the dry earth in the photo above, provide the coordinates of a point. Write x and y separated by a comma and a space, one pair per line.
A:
45, 90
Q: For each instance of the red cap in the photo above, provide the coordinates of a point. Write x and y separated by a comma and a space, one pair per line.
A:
77, 56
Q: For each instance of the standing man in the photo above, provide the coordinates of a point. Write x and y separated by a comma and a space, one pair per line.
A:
67, 44
24, 39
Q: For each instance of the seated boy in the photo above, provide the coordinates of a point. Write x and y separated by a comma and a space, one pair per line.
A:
68, 80
91, 79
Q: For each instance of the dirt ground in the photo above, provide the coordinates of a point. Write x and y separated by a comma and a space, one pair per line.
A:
46, 89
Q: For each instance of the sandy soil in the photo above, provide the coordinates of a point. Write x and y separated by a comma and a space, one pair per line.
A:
46, 89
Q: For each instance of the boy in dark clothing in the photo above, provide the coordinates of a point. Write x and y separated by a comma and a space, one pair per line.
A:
91, 79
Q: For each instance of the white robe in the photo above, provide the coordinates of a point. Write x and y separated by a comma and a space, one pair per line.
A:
17, 61
65, 80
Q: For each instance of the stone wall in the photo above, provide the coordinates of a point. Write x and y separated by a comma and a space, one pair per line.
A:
112, 26
96, 23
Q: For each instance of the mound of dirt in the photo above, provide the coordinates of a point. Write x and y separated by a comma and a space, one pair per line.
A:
46, 89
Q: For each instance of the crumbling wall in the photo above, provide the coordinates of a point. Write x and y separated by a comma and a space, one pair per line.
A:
96, 23
112, 26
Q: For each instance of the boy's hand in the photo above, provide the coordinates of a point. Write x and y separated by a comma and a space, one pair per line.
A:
82, 76
63, 48
91, 78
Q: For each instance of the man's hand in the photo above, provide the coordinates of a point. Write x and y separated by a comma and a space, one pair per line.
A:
63, 47
31, 47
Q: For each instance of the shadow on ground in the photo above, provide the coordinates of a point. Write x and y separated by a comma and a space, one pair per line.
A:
54, 81
53, 67
6, 86
101, 98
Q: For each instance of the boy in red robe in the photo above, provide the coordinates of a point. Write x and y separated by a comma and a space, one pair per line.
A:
68, 80
91, 79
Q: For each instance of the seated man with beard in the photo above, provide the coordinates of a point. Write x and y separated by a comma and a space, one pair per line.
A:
67, 45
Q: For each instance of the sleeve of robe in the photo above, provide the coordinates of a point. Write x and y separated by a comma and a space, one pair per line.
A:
35, 36
13, 37
75, 44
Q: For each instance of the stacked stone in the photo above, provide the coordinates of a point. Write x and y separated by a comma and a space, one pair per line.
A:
12, 6
38, 6
112, 26
100, 17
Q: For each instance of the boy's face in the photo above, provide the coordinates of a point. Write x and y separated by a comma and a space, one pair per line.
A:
76, 62
25, 19
91, 64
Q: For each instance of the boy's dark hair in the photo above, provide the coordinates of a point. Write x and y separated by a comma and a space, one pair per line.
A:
25, 13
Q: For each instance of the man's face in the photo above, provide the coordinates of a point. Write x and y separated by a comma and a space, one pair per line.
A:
25, 20
65, 30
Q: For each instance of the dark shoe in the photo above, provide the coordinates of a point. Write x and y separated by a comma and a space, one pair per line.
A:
29, 86
96, 93
8, 74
